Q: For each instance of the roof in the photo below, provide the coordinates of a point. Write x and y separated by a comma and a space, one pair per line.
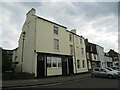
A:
51, 22
57, 24
75, 34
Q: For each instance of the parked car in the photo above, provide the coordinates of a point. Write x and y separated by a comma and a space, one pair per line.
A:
111, 69
116, 68
104, 72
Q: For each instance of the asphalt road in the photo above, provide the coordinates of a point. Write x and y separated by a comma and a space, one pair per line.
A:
90, 82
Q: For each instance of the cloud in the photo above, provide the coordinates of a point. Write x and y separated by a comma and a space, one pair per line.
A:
96, 21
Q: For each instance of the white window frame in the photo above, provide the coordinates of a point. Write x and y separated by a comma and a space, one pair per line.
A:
88, 56
78, 64
56, 44
49, 62
82, 51
83, 64
81, 41
71, 49
77, 50
70, 37
55, 30
56, 60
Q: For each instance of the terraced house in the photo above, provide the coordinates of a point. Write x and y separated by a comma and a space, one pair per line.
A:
47, 48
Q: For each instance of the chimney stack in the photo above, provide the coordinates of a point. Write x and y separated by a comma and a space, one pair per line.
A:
74, 31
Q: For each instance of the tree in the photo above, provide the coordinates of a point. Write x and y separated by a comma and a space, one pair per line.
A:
6, 62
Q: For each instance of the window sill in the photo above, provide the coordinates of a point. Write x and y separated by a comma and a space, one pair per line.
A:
84, 68
57, 50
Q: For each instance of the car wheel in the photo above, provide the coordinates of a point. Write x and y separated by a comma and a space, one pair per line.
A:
110, 76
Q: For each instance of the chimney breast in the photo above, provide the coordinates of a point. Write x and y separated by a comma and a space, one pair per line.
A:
31, 12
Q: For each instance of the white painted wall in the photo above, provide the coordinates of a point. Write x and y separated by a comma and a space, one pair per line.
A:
40, 38
100, 51
107, 59
28, 64
79, 55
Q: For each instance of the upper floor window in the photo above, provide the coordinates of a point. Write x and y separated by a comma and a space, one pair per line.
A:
76, 39
83, 63
91, 48
56, 44
70, 37
81, 42
87, 55
94, 56
55, 30
82, 51
71, 49
77, 51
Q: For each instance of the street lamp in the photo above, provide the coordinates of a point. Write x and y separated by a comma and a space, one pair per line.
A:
23, 35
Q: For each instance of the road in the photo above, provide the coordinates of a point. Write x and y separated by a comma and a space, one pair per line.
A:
90, 82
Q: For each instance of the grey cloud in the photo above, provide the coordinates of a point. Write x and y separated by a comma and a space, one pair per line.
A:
106, 24
78, 15
31, 4
93, 10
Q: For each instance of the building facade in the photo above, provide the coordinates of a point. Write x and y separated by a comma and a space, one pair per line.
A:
108, 60
115, 57
101, 59
92, 55
47, 48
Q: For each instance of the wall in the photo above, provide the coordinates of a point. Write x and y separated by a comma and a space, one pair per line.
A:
45, 38
79, 55
54, 71
100, 51
107, 59
45, 42
28, 64
40, 38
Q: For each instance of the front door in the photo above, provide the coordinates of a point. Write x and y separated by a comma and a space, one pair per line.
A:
64, 66
40, 66
70, 63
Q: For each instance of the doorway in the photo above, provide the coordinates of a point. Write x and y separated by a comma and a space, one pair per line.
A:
40, 66
70, 65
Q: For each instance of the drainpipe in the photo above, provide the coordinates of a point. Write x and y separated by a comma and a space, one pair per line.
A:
74, 54
35, 48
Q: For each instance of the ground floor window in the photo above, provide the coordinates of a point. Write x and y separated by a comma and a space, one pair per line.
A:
89, 65
109, 64
78, 64
53, 62
83, 63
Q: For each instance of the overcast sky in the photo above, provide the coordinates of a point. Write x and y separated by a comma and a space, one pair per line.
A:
97, 21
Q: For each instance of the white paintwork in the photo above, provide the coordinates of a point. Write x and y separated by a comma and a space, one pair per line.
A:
100, 52
107, 59
40, 38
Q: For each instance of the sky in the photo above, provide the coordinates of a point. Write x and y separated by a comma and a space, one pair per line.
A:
96, 21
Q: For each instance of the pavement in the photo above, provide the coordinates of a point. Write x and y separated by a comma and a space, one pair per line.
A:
43, 81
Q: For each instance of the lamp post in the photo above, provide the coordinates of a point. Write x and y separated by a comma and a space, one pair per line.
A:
23, 35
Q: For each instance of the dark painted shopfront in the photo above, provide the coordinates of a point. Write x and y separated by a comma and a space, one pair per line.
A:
43, 62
